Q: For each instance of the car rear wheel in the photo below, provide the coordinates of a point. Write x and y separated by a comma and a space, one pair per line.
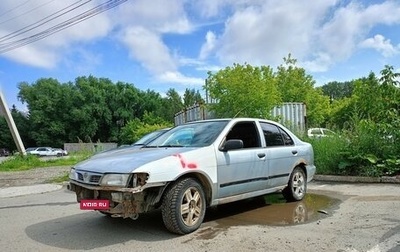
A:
297, 186
184, 206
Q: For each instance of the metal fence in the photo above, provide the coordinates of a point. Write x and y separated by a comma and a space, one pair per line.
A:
291, 114
91, 147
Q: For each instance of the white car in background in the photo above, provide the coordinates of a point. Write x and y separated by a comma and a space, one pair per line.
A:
46, 151
320, 132
60, 152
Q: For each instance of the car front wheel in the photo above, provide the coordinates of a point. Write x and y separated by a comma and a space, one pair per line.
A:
184, 206
297, 186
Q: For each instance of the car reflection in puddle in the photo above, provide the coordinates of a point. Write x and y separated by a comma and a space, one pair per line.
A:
272, 210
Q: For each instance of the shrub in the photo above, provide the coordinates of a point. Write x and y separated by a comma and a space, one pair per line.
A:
328, 152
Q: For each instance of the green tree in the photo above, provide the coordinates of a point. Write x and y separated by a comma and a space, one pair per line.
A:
192, 97
297, 86
243, 90
93, 117
172, 104
22, 123
46, 101
90, 109
151, 101
6, 140
123, 100
135, 129
338, 90
372, 119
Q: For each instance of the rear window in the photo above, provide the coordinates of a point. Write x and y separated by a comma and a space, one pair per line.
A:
275, 136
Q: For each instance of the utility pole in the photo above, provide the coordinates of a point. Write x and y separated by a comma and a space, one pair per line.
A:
11, 124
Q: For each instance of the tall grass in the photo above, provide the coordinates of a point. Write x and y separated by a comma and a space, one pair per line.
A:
20, 163
363, 150
328, 154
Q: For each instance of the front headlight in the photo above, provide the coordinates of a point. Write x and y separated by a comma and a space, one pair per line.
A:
115, 180
72, 174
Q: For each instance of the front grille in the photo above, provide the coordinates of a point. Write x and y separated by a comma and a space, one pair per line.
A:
95, 179
89, 177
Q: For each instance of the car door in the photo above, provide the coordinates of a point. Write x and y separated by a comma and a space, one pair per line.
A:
281, 154
242, 170
42, 151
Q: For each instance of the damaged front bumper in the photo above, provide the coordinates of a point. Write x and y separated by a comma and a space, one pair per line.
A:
124, 202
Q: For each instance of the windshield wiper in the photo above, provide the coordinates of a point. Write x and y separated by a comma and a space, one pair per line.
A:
163, 146
170, 145
149, 146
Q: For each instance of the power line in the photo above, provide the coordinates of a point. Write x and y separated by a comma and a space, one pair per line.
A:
14, 8
42, 21
5, 47
29, 11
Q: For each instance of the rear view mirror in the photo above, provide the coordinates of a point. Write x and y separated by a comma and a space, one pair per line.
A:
232, 144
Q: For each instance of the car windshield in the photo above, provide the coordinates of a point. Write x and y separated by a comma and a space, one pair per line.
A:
197, 134
149, 137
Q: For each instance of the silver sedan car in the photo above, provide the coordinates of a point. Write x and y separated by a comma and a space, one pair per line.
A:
194, 166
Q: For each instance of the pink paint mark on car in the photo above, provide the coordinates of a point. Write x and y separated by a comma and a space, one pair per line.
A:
183, 163
192, 166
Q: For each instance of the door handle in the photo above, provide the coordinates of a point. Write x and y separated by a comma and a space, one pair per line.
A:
294, 152
261, 155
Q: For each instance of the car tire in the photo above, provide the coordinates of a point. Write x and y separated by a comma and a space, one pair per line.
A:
297, 186
183, 206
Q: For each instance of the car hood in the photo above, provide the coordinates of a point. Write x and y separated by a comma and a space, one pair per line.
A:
126, 160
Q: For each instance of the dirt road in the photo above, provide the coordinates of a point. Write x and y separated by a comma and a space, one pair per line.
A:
32, 177
365, 219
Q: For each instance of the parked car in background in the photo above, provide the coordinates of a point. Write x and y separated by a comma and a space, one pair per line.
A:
60, 152
28, 150
44, 151
320, 132
4, 152
194, 166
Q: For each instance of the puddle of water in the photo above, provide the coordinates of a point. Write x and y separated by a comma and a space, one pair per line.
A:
272, 210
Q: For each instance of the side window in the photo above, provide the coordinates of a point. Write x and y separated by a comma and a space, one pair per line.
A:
247, 132
329, 132
274, 136
316, 131
286, 138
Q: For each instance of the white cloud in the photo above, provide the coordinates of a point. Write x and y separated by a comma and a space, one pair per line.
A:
143, 26
206, 68
47, 52
35, 55
148, 48
208, 46
266, 32
176, 77
319, 63
318, 35
158, 16
350, 24
382, 45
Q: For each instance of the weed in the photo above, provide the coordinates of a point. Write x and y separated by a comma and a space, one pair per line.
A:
20, 163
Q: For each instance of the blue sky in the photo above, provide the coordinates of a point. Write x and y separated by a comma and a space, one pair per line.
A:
163, 44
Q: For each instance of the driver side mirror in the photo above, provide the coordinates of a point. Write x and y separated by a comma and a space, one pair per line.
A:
232, 144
